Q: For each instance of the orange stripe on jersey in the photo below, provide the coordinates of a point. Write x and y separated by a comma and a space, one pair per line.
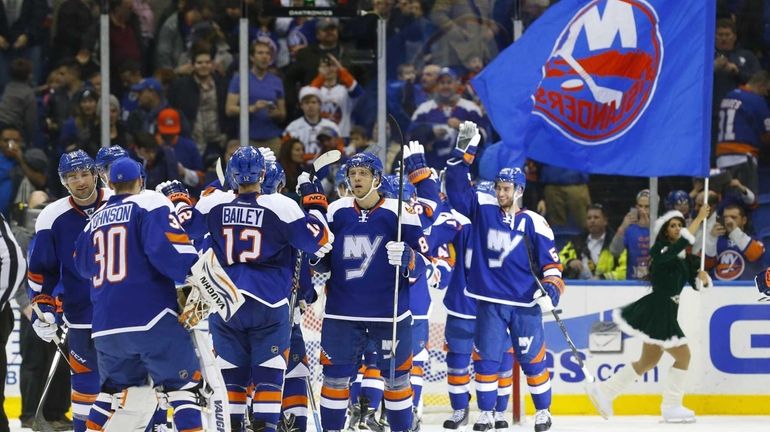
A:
406, 365
754, 251
555, 280
324, 359
727, 148
372, 373
35, 277
475, 356
292, 401
93, 426
325, 238
540, 355
553, 265
396, 395
83, 397
236, 397
267, 396
458, 379
178, 238
505, 381
197, 376
78, 368
482, 378
332, 393
362, 369
538, 379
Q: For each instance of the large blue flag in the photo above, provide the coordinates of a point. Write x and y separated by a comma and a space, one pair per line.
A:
608, 86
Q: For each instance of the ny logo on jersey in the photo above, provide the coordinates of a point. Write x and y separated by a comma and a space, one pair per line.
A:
364, 216
386, 348
501, 241
525, 343
359, 247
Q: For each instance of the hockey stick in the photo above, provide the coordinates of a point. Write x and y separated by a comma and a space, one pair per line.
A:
556, 317
40, 423
398, 239
56, 339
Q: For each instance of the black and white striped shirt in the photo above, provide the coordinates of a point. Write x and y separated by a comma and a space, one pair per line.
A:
13, 266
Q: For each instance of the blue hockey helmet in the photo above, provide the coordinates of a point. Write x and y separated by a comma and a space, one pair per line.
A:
389, 188
342, 173
366, 160
77, 160
275, 178
107, 155
512, 175
677, 197
486, 186
246, 166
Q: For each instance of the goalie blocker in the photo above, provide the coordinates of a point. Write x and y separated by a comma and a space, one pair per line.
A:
211, 290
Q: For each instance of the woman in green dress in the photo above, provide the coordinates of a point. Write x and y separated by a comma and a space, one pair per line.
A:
653, 318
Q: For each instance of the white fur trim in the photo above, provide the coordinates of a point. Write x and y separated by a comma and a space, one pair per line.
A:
688, 235
626, 328
665, 218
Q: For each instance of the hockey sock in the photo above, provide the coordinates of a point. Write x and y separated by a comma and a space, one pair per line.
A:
504, 381
539, 383
334, 398
266, 404
101, 410
236, 380
673, 387
372, 387
486, 383
398, 401
160, 417
295, 401
355, 385
85, 389
184, 402
459, 379
618, 382
416, 380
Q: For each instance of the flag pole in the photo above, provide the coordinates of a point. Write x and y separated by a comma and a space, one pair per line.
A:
705, 224
653, 205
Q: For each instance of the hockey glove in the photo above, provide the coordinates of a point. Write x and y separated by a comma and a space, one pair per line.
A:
313, 197
267, 154
467, 142
433, 274
414, 161
544, 301
175, 191
762, 281
400, 254
45, 326
553, 286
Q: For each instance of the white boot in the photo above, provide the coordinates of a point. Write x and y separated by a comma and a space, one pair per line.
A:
671, 408
602, 394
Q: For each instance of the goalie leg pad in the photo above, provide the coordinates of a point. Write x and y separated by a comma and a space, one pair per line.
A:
266, 404
133, 408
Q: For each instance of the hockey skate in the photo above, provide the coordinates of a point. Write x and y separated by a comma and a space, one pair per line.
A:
416, 420
287, 423
458, 422
484, 422
542, 420
677, 414
501, 423
602, 403
354, 416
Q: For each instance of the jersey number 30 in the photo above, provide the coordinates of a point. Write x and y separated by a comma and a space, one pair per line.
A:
110, 255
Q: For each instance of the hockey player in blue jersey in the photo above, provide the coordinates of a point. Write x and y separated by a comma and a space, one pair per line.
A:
50, 263
133, 250
253, 236
501, 281
365, 254
105, 157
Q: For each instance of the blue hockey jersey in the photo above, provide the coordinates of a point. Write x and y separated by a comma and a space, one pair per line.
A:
456, 301
362, 280
50, 260
499, 261
133, 250
253, 235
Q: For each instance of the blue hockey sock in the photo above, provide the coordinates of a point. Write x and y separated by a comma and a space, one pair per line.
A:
458, 379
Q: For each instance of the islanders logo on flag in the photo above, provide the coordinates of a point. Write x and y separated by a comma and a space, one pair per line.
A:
602, 72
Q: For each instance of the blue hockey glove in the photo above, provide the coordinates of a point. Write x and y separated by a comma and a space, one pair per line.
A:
554, 286
414, 161
175, 191
400, 254
313, 197
468, 139
762, 282
45, 325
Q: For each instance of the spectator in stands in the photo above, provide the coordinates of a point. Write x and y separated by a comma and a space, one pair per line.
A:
267, 105
94, 80
81, 130
633, 238
18, 106
359, 141
22, 169
150, 102
160, 162
143, 11
307, 127
189, 162
731, 253
206, 35
126, 42
201, 97
566, 195
713, 203
61, 103
19, 34
292, 160
733, 65
118, 135
171, 42
339, 91
744, 127
130, 73
588, 256
435, 122
77, 31
467, 29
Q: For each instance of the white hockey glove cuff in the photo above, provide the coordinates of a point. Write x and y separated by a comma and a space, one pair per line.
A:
45, 327
544, 301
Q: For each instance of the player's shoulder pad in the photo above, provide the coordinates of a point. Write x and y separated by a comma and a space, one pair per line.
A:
460, 217
538, 222
424, 108
51, 212
409, 215
216, 197
486, 199
442, 218
150, 200
282, 206
337, 205
469, 105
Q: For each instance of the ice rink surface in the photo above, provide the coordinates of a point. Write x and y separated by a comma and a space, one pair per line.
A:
616, 424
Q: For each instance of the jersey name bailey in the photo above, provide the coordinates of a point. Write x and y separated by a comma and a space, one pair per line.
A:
232, 215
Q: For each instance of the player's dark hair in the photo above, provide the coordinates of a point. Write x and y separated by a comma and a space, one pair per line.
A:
761, 78
727, 23
124, 187
735, 206
663, 234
